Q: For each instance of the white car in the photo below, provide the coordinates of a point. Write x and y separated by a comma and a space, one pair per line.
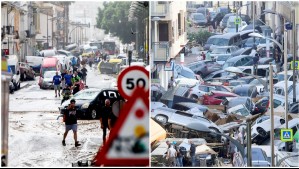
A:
155, 105
292, 124
260, 131
165, 116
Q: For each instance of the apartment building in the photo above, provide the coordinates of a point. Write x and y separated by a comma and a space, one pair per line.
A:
168, 36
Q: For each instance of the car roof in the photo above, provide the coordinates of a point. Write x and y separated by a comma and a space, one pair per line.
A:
236, 58
229, 35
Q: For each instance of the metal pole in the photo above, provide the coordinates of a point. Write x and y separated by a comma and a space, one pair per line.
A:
285, 49
253, 19
294, 53
271, 117
52, 33
7, 36
249, 157
47, 30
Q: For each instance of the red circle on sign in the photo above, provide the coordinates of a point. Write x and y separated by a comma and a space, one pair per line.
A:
121, 76
139, 113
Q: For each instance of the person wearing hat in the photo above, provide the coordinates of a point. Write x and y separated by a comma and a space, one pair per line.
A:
70, 120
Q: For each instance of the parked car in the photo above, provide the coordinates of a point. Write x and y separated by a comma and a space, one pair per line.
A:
155, 105
265, 61
259, 157
223, 50
260, 131
233, 83
90, 101
35, 62
216, 74
279, 88
292, 124
211, 66
183, 72
26, 71
261, 106
227, 39
185, 106
199, 68
242, 51
14, 68
198, 91
246, 101
46, 81
246, 90
247, 79
203, 10
242, 60
280, 76
48, 53
222, 58
249, 42
223, 23
212, 40
294, 108
240, 110
165, 116
198, 19
216, 97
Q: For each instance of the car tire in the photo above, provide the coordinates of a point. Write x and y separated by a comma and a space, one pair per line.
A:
282, 121
93, 114
161, 119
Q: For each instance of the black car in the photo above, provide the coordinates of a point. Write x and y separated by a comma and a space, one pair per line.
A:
246, 90
90, 101
261, 106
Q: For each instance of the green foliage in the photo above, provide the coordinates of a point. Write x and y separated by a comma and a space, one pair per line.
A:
200, 37
113, 18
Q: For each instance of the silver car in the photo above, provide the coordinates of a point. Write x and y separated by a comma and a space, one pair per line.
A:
165, 116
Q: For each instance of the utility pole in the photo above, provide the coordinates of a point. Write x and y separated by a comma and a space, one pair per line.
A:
294, 53
271, 117
253, 18
47, 29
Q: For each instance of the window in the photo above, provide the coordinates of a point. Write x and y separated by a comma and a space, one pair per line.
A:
184, 114
276, 103
179, 24
163, 32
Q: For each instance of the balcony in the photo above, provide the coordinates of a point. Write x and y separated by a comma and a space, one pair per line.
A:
161, 51
159, 8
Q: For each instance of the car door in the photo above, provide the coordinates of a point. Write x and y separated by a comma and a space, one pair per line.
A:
180, 117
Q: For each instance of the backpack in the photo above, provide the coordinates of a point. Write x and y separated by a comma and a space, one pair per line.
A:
183, 151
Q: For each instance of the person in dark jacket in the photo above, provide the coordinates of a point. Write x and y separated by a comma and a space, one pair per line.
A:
70, 120
255, 62
105, 119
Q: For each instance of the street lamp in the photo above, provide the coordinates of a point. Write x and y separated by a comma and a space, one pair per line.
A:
156, 20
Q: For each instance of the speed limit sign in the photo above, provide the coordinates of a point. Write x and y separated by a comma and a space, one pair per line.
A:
130, 79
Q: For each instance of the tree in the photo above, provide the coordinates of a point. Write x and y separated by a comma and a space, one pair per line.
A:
200, 37
113, 18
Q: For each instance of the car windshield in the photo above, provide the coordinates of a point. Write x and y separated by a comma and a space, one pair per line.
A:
221, 42
231, 25
198, 17
220, 50
241, 92
255, 82
49, 74
88, 50
243, 111
187, 74
222, 57
228, 64
280, 77
211, 41
86, 95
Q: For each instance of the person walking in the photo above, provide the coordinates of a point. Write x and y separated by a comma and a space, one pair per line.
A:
84, 74
192, 153
171, 83
179, 157
63, 79
231, 150
66, 93
75, 78
255, 63
171, 155
277, 60
105, 114
56, 81
68, 78
70, 120
203, 55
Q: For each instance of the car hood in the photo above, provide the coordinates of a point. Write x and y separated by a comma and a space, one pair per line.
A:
78, 102
47, 79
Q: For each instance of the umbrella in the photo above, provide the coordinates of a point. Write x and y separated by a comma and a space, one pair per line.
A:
204, 149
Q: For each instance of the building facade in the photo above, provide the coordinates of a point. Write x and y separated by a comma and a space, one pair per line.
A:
168, 36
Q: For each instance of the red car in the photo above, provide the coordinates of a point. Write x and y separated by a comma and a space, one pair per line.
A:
215, 97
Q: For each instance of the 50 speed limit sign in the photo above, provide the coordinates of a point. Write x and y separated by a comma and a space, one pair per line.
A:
131, 78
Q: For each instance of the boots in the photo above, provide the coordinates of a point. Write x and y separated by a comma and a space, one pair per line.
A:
77, 144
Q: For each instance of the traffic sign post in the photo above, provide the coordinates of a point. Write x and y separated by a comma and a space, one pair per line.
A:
131, 78
128, 142
286, 135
